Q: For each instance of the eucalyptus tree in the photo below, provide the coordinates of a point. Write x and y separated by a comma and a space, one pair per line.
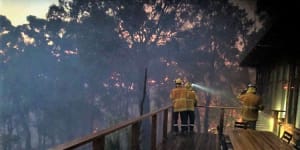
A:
91, 55
11, 102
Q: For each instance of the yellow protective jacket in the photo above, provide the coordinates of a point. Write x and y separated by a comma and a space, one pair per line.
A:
191, 100
178, 97
250, 103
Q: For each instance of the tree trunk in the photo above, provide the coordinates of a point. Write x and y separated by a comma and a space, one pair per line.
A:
145, 108
27, 133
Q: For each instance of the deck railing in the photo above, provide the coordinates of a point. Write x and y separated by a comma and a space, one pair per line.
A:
225, 116
97, 139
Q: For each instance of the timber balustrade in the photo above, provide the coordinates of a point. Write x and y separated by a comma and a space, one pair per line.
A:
98, 139
221, 115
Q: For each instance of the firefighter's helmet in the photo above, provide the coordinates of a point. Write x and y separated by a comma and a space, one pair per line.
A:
178, 81
251, 85
251, 90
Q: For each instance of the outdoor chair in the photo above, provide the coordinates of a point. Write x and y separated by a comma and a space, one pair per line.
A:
226, 143
240, 125
297, 147
286, 137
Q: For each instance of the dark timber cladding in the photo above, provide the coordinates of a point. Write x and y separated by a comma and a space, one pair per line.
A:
191, 142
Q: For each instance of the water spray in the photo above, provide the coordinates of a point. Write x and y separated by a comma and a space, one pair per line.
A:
203, 88
225, 95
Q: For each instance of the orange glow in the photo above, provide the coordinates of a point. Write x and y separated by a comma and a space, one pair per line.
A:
95, 130
239, 119
27, 40
70, 52
166, 78
187, 26
55, 54
240, 43
1, 52
131, 87
117, 85
105, 85
148, 8
152, 81
4, 32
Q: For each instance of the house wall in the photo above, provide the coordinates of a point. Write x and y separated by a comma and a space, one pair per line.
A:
278, 85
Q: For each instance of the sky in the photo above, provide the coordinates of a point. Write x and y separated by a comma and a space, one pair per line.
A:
17, 10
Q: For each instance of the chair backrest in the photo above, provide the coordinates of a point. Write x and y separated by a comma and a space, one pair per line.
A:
240, 125
287, 137
297, 145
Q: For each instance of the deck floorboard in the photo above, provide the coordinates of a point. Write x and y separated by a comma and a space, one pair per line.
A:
191, 142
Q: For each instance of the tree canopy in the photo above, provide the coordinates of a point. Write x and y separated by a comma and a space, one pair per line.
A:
64, 76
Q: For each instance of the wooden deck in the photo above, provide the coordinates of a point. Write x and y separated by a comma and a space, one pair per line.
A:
180, 142
191, 142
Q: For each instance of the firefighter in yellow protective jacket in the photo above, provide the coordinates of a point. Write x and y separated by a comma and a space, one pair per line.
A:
191, 103
251, 103
178, 97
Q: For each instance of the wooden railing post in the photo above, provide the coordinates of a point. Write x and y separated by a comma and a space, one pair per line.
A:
135, 133
275, 116
153, 132
99, 143
221, 123
165, 125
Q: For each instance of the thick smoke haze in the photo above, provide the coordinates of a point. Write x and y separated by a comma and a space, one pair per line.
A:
83, 68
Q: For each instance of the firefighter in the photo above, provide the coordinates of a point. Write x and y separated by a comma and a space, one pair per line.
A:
178, 97
191, 103
251, 105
